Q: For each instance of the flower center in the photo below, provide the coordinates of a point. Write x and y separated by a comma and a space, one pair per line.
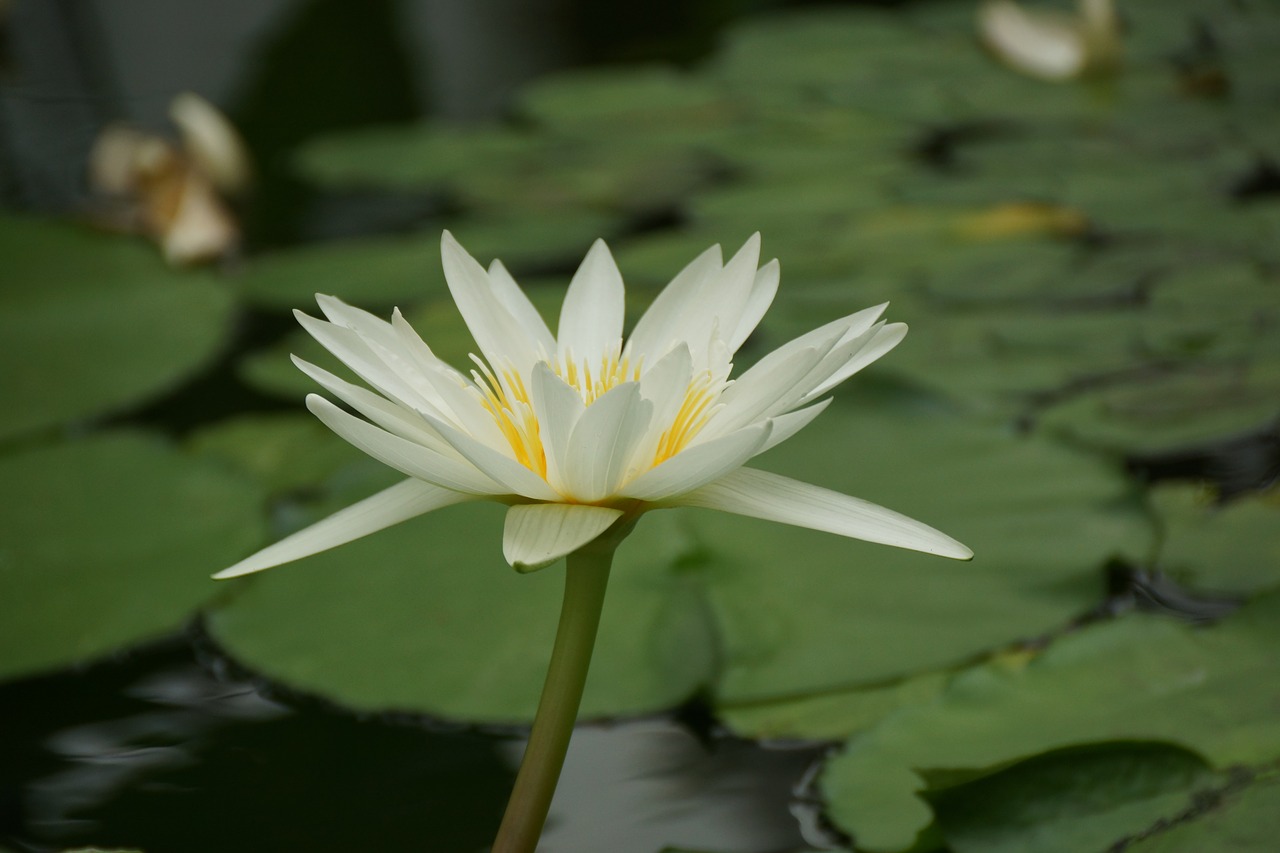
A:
506, 396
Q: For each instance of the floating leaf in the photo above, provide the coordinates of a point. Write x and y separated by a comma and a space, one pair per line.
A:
1233, 548
109, 542
802, 612
1087, 798
1245, 821
90, 324
1142, 678
427, 617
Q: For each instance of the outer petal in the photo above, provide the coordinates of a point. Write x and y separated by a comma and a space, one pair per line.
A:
772, 497
763, 289
389, 506
785, 426
885, 339
592, 315
406, 457
537, 535
697, 466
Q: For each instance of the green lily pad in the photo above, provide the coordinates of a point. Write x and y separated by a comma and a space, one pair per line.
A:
803, 613
1246, 821
1159, 409
283, 452
1078, 799
378, 271
91, 324
427, 617
1142, 678
427, 155
1233, 548
652, 101
109, 542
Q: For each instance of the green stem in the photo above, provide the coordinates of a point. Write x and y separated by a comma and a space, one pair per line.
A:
586, 576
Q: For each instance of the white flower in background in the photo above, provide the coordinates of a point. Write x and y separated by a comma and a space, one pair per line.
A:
1051, 45
580, 429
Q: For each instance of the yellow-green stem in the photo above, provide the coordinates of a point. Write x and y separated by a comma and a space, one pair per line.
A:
586, 576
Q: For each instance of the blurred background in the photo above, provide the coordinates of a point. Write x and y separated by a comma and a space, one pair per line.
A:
1076, 208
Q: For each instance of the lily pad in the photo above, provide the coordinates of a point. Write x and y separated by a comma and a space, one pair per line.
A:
109, 542
1246, 821
91, 323
1142, 678
1088, 798
381, 271
803, 613
427, 617
1234, 548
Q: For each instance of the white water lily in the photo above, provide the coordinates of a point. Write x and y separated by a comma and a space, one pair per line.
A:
581, 429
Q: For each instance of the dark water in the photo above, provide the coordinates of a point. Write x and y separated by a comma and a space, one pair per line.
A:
156, 750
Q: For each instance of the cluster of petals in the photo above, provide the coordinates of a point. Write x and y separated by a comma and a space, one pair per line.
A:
581, 429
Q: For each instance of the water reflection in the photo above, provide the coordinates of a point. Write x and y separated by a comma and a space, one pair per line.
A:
151, 751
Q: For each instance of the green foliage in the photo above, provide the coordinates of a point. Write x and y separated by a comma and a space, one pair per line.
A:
108, 542
91, 324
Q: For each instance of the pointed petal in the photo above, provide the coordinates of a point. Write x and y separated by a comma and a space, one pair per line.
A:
557, 407
665, 386
772, 497
604, 442
654, 333
695, 467
368, 326
885, 339
763, 289
353, 351
785, 426
537, 535
390, 506
518, 304
592, 314
395, 419
405, 456
725, 299
502, 340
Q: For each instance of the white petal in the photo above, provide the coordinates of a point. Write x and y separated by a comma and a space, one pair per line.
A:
754, 396
1045, 45
763, 289
727, 295
536, 535
355, 353
665, 386
696, 466
785, 426
885, 339
516, 302
655, 332
592, 314
513, 476
395, 419
406, 457
501, 338
366, 325
390, 506
604, 442
416, 349
557, 407
760, 494
850, 327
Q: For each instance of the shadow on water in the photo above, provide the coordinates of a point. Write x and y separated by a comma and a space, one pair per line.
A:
151, 751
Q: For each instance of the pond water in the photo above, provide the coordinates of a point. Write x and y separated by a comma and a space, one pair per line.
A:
164, 749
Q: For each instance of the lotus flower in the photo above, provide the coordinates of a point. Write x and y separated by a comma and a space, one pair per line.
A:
580, 430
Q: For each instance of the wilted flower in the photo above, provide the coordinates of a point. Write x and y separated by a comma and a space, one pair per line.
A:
581, 429
1051, 45
173, 193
